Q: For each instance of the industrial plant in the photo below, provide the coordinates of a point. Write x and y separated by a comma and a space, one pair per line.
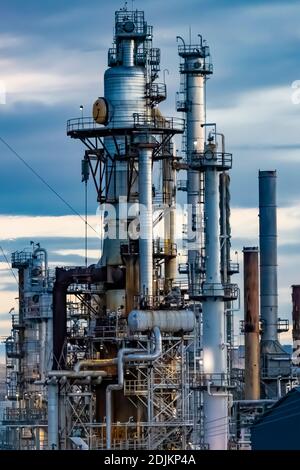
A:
137, 351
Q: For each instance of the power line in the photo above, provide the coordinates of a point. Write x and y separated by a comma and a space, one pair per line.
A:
8, 264
46, 183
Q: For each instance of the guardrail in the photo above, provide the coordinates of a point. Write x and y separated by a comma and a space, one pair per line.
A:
136, 121
219, 160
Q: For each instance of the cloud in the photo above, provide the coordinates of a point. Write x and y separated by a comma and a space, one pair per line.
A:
13, 227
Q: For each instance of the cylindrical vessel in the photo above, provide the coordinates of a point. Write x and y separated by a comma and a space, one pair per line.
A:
212, 218
169, 192
146, 224
166, 320
296, 324
124, 91
216, 426
128, 52
268, 255
195, 142
215, 398
52, 416
251, 324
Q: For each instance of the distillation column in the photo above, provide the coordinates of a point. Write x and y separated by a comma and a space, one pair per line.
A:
146, 224
215, 394
124, 98
194, 69
195, 142
169, 193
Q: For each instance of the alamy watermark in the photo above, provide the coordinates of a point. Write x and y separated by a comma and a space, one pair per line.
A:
134, 221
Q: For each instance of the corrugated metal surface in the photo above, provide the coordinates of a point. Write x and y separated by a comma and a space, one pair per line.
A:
278, 428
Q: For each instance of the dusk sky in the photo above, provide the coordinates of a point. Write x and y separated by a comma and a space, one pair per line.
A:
53, 55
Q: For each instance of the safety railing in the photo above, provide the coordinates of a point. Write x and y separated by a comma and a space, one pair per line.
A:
227, 291
24, 415
219, 160
215, 380
136, 387
147, 301
136, 121
182, 185
181, 106
282, 325
157, 92
12, 348
163, 248
233, 268
20, 258
193, 49
204, 68
183, 268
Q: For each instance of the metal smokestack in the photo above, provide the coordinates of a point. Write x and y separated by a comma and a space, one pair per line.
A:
268, 255
274, 360
251, 324
296, 324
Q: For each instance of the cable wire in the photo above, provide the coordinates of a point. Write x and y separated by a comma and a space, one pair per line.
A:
9, 266
46, 183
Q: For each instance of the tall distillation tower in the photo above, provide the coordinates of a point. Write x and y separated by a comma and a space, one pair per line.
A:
209, 266
128, 140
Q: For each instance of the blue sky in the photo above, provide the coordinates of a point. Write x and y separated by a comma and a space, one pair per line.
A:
52, 59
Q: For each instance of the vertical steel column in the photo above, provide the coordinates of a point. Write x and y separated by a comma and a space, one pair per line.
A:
146, 224
214, 342
53, 415
251, 324
268, 255
195, 143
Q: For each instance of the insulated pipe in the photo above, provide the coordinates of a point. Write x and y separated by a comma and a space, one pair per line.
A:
128, 52
268, 255
77, 374
149, 356
146, 224
94, 363
296, 324
251, 323
115, 387
53, 414
170, 321
125, 356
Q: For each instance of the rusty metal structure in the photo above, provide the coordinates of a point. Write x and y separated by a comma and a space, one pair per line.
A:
251, 323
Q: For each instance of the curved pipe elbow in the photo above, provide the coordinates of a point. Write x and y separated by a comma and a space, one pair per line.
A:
149, 356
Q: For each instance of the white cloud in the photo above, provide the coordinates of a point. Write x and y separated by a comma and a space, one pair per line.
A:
264, 116
13, 227
92, 254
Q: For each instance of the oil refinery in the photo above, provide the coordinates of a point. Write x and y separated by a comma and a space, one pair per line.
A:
137, 351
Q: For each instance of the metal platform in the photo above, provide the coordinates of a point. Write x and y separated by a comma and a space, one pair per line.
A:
86, 127
219, 160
